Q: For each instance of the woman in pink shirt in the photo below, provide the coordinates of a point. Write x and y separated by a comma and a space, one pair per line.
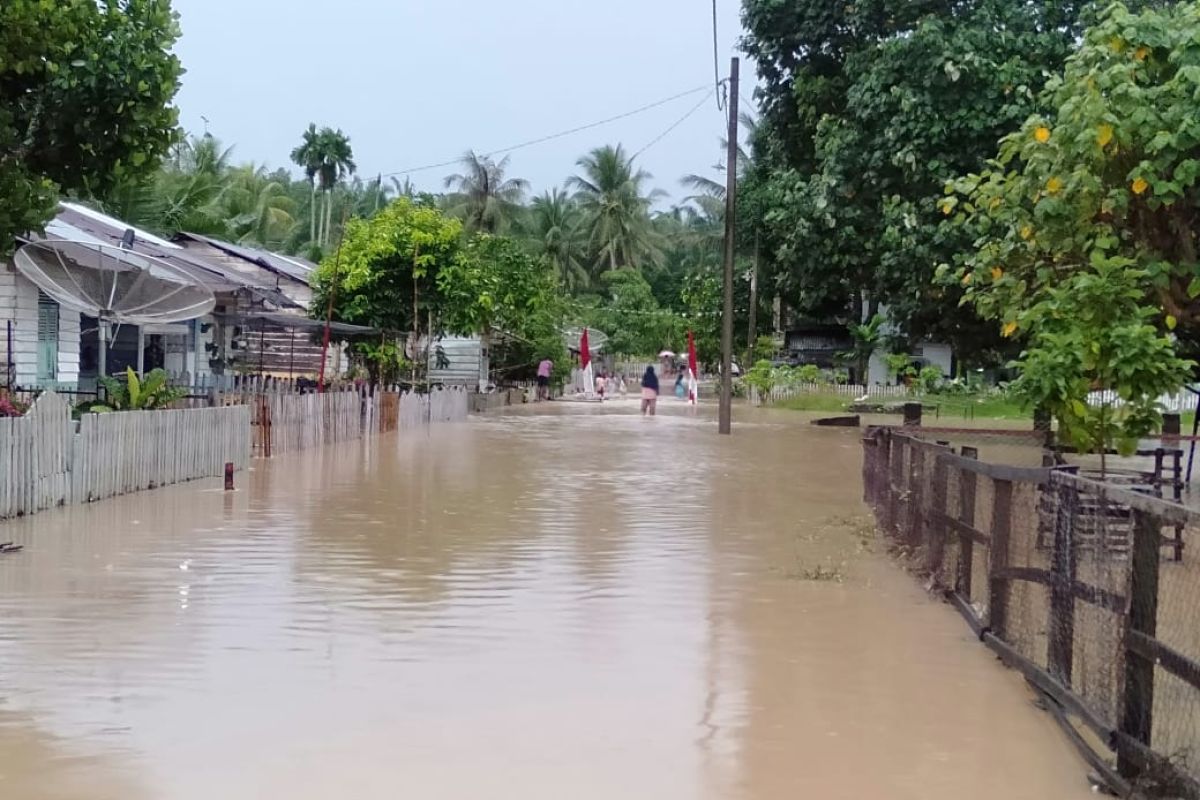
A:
543, 379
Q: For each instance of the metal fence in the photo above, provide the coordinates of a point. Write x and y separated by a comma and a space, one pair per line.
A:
1091, 590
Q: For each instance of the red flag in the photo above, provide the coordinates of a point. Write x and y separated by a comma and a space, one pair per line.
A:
585, 354
693, 369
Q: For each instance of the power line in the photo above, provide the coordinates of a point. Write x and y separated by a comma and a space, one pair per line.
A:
716, 60
673, 126
553, 136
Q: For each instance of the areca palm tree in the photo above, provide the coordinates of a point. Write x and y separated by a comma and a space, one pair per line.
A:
616, 208
337, 161
484, 199
552, 226
307, 156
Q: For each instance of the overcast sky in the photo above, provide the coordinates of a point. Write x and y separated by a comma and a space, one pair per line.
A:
415, 82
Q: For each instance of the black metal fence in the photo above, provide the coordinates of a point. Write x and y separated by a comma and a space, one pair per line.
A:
1091, 590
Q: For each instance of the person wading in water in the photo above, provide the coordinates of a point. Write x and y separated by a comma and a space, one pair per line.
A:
649, 392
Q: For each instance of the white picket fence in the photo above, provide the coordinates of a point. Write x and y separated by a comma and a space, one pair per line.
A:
129, 451
45, 461
850, 391
1175, 403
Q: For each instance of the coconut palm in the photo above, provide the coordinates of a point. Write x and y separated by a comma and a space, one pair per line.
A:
616, 208
257, 207
307, 156
483, 198
552, 227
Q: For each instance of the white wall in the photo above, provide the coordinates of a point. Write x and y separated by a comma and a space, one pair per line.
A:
934, 353
19, 305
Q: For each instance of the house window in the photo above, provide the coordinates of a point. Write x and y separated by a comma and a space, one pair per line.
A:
47, 341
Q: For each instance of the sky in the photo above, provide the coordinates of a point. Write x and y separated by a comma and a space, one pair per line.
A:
417, 82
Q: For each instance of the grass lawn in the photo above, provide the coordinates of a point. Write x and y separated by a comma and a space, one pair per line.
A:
990, 407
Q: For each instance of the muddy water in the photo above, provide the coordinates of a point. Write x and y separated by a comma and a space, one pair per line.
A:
579, 603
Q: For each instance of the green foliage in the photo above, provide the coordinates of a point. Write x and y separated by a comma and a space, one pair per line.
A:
899, 365
134, 394
631, 316
762, 377
384, 361
85, 93
930, 378
868, 108
864, 341
1109, 170
386, 263
1091, 332
809, 373
492, 283
764, 347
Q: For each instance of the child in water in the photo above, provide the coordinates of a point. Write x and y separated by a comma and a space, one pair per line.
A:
649, 392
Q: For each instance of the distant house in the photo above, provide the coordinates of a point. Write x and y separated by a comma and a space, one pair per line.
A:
257, 294
826, 343
819, 343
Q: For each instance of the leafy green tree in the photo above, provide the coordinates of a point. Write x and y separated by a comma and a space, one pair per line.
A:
864, 339
868, 108
387, 276
1091, 332
616, 206
494, 285
85, 101
483, 197
1108, 171
635, 323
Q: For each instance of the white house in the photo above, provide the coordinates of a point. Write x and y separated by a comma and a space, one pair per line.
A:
925, 353
45, 345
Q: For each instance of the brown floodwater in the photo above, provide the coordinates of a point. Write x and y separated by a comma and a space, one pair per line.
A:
562, 602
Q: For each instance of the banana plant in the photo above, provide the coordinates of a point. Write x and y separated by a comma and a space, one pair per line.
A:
134, 394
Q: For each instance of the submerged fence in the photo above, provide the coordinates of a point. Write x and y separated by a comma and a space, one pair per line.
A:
45, 461
48, 459
1073, 583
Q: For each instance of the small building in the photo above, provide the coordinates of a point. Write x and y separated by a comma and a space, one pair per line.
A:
819, 343
258, 297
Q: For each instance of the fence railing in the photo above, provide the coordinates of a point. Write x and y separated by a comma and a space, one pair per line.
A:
780, 393
1070, 581
45, 461
48, 459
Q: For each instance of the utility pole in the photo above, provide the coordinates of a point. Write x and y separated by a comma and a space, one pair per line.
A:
725, 413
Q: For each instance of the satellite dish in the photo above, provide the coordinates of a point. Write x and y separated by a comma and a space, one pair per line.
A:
113, 284
596, 339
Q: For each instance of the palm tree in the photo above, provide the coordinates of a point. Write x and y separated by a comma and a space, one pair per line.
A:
337, 161
617, 212
308, 157
484, 199
257, 207
552, 226
610, 192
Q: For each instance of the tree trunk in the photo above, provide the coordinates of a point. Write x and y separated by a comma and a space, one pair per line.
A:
312, 214
328, 216
485, 355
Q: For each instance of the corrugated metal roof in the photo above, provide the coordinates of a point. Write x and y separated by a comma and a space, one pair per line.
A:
289, 266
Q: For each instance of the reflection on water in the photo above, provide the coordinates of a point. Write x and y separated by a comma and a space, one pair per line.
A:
565, 602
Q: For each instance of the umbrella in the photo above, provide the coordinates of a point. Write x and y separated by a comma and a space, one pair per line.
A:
666, 354
693, 370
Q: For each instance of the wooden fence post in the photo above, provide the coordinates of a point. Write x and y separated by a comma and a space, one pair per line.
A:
1137, 710
915, 492
936, 525
966, 515
998, 558
1060, 648
895, 475
912, 415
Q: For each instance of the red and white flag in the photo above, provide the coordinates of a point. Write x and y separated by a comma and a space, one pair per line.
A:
693, 369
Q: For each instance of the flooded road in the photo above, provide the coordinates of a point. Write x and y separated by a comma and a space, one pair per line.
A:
565, 603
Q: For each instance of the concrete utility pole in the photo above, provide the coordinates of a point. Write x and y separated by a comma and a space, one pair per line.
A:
725, 413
